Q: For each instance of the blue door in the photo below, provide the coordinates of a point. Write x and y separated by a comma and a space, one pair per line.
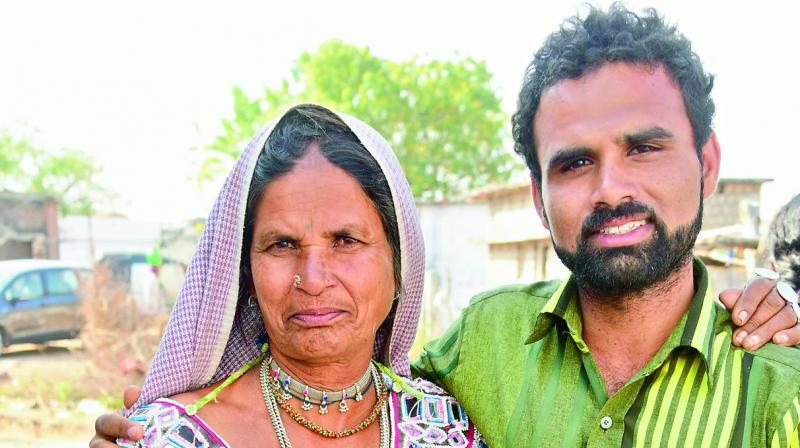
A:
61, 302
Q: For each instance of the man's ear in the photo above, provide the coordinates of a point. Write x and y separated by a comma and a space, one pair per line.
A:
537, 202
711, 160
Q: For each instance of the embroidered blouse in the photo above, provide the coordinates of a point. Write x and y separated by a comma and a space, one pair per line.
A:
433, 421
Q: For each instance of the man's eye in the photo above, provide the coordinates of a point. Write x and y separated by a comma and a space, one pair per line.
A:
576, 165
644, 149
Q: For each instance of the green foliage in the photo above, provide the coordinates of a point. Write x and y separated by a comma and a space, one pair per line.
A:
44, 387
68, 175
110, 401
442, 117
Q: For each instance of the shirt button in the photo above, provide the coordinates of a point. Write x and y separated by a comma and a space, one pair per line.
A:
606, 422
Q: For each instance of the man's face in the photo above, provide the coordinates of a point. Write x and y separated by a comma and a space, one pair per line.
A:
622, 185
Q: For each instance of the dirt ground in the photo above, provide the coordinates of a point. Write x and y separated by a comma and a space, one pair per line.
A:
43, 399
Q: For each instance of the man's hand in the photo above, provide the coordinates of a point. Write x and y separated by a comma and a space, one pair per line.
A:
108, 427
760, 314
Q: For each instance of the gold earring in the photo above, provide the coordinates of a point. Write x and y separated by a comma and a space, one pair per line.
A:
297, 280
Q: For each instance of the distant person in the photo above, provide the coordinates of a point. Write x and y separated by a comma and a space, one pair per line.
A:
783, 243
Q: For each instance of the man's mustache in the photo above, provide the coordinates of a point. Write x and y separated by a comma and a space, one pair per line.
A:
598, 218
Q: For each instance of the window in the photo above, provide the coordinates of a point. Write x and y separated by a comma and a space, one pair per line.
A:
26, 287
62, 281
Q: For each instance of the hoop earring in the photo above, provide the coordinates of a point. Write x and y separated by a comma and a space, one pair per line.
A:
251, 302
396, 296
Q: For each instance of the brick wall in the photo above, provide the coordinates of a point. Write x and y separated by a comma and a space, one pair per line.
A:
727, 206
28, 226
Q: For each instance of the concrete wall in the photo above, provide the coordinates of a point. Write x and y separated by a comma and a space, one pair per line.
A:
86, 239
524, 262
456, 261
520, 250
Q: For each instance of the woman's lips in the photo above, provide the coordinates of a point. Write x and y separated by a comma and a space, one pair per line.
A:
316, 317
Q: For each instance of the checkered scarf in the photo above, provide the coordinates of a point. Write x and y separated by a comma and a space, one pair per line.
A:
199, 346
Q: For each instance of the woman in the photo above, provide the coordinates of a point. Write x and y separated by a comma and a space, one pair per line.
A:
332, 265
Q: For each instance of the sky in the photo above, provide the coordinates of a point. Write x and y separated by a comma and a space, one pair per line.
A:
140, 85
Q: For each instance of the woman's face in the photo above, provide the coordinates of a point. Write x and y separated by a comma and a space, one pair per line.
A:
317, 222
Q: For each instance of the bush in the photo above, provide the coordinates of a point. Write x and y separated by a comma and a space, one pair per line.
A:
119, 339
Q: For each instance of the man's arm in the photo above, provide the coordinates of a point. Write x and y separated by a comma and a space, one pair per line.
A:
760, 315
109, 427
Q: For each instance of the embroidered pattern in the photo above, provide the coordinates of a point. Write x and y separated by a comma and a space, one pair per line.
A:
436, 420
166, 424
433, 421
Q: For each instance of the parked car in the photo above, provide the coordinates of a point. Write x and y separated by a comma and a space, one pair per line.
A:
39, 301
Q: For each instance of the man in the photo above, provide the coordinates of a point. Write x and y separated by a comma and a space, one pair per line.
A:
632, 349
614, 122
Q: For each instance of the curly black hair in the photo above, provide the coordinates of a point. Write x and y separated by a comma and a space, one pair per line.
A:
581, 46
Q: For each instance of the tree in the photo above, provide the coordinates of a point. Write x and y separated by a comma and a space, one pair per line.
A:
441, 117
68, 175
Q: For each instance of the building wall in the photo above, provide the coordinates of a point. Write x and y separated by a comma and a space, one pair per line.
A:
513, 216
728, 205
11, 250
86, 239
50, 208
723, 277
28, 226
520, 250
524, 262
456, 261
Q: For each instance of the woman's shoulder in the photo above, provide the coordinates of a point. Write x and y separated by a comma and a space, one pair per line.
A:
431, 416
167, 423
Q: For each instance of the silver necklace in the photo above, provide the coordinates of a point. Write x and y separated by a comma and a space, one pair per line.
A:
311, 396
277, 423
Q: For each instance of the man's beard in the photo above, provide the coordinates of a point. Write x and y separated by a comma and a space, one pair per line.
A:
619, 272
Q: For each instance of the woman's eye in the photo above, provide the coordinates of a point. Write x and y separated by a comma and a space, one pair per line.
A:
345, 241
282, 245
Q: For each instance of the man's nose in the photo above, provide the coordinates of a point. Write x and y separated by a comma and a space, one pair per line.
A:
613, 185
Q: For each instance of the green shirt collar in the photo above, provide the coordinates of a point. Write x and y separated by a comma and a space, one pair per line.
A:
695, 330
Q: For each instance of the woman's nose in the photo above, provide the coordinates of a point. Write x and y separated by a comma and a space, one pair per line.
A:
314, 272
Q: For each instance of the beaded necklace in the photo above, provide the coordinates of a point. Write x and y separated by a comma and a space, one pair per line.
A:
271, 391
310, 396
273, 397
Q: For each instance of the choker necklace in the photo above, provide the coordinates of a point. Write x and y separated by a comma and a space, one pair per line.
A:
271, 391
311, 396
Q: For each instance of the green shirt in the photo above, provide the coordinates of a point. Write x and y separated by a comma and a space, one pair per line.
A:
517, 360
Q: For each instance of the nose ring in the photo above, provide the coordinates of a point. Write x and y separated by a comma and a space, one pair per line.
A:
296, 281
